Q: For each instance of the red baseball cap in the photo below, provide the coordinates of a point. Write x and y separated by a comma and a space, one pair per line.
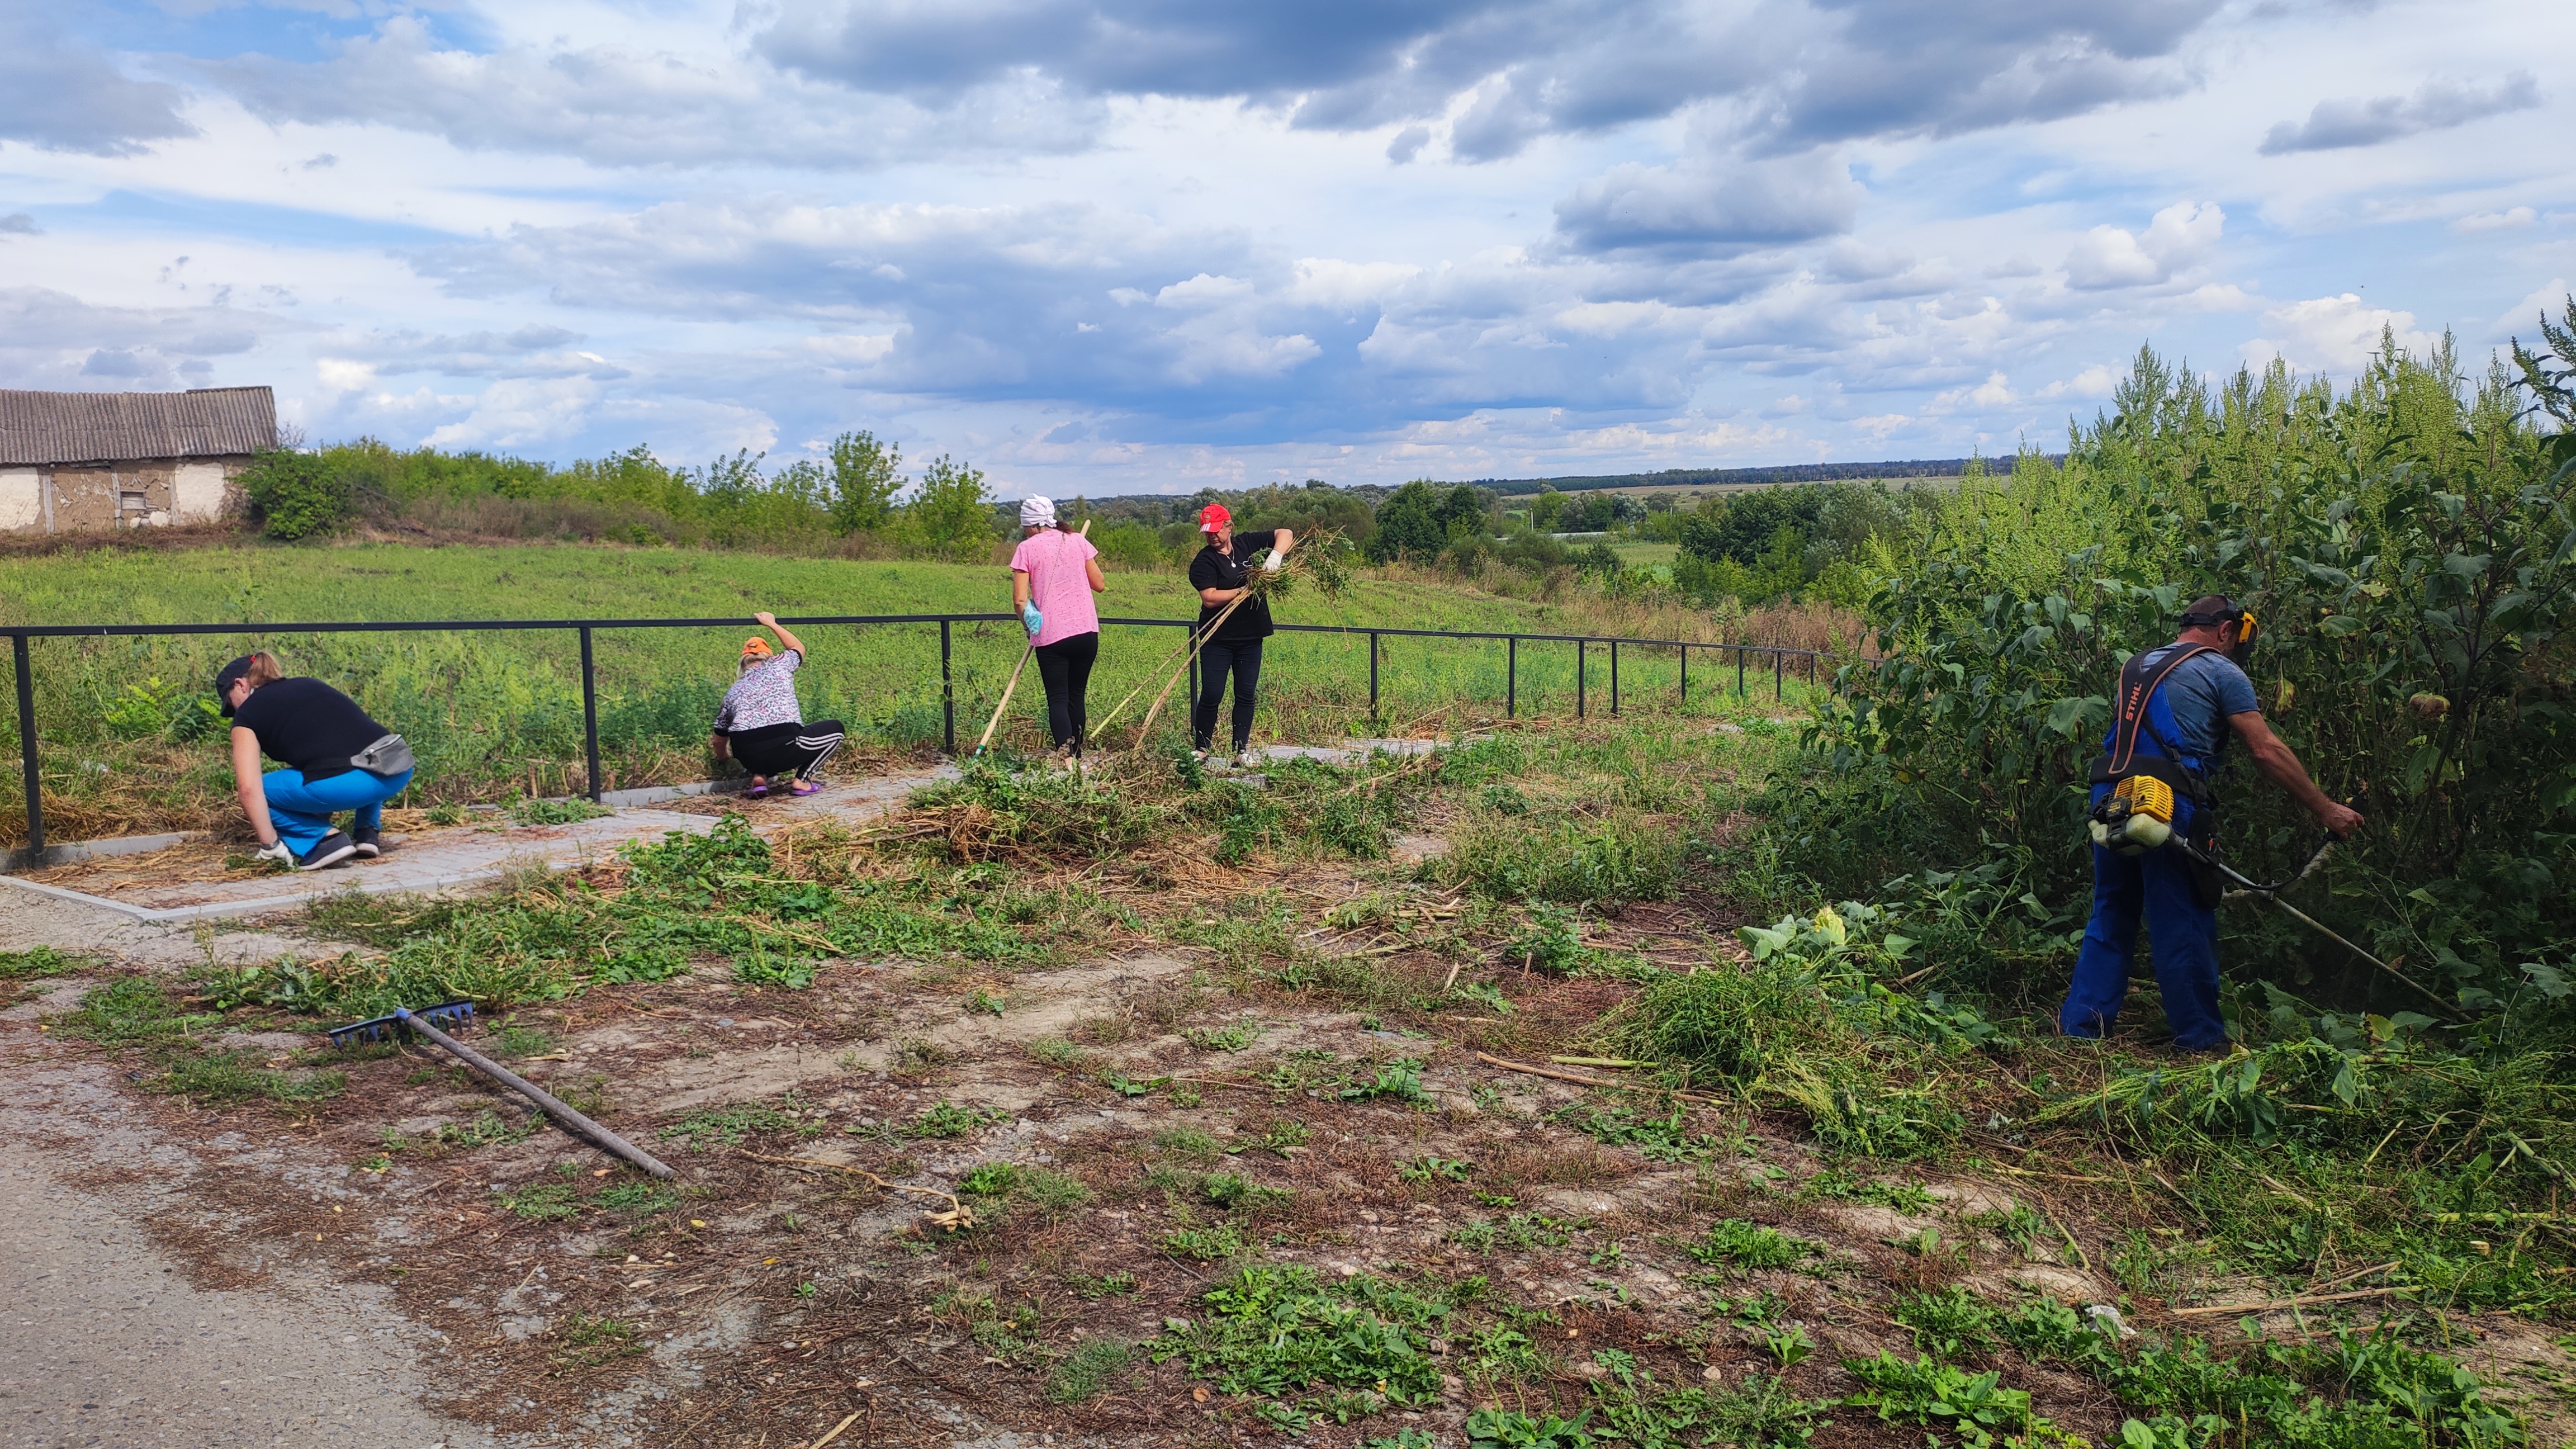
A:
1214, 517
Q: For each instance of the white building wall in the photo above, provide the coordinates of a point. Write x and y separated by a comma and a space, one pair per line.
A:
22, 499
197, 493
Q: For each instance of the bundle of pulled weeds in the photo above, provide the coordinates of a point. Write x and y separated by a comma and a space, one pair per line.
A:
1150, 809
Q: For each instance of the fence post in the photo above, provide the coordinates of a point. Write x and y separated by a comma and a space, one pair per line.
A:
35, 855
1739, 671
1194, 703
1779, 674
1614, 678
1578, 678
1686, 676
1372, 676
1512, 678
947, 694
589, 715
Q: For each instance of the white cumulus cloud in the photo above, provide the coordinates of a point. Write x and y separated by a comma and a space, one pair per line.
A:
2334, 334
2179, 238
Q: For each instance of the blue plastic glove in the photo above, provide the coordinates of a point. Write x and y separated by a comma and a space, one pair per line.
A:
1030, 616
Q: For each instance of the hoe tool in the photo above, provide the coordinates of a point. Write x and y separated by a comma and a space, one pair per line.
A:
404, 1022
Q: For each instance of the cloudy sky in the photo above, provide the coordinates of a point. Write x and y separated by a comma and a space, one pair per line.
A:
1150, 245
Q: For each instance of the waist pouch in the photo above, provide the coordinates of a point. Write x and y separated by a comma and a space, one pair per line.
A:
387, 757
2208, 887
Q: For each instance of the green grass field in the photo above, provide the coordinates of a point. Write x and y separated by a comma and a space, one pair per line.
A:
1640, 554
126, 746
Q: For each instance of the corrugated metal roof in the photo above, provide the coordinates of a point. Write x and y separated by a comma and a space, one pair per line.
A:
106, 427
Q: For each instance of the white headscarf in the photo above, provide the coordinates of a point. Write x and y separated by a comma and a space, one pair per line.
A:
1036, 512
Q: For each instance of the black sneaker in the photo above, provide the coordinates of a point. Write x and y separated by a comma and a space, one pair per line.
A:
369, 846
330, 850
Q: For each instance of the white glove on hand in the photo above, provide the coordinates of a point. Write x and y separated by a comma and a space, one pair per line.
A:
277, 850
1277, 561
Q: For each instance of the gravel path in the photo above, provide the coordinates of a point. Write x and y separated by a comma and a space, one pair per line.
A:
102, 1342
102, 1339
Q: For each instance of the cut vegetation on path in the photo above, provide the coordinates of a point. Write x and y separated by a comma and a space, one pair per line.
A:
1462, 1099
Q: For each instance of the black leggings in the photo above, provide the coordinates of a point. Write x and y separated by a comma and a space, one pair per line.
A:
1217, 659
788, 749
1065, 665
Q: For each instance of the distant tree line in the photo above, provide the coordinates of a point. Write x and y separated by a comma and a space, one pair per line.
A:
1799, 541
1748, 477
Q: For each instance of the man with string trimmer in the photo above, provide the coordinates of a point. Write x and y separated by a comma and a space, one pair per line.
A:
2153, 822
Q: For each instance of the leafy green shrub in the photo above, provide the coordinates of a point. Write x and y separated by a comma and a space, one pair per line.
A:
296, 495
1812, 1022
2403, 544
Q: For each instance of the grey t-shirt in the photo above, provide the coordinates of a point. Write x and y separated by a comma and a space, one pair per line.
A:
765, 695
2202, 692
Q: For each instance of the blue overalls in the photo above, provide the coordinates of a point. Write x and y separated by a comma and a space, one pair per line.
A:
2158, 886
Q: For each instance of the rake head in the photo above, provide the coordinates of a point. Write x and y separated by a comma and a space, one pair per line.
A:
448, 1016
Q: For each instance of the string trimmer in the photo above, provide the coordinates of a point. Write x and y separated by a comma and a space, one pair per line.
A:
404, 1022
2272, 892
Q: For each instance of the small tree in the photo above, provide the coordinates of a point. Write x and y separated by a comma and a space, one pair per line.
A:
295, 495
864, 482
1546, 509
951, 515
1409, 524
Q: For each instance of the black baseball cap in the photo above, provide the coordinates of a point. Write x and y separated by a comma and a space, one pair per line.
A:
225, 678
2211, 609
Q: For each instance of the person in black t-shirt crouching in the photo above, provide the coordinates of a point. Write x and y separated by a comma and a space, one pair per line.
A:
1221, 572
334, 759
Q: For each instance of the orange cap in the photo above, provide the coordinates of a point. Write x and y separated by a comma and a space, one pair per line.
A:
1214, 517
755, 647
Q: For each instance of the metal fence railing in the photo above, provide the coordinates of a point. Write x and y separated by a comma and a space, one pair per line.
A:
20, 636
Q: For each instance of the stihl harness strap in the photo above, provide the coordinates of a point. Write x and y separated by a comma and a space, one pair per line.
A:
2138, 686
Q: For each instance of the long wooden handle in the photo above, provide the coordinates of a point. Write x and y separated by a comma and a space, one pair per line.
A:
1146, 683
546, 1101
1197, 638
995, 722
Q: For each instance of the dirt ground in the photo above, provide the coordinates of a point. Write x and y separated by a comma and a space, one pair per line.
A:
419, 1261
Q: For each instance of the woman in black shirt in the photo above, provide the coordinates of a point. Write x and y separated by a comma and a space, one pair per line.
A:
1222, 572
335, 759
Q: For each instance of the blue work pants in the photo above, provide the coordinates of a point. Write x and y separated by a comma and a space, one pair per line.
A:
2183, 933
302, 810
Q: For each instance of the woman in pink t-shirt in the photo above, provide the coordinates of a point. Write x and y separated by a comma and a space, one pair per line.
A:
1054, 573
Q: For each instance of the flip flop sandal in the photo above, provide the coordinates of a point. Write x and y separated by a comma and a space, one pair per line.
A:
803, 788
757, 792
